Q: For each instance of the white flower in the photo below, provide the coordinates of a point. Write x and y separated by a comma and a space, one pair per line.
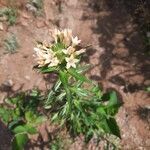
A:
70, 50
45, 57
80, 51
67, 35
71, 62
49, 56
36, 49
75, 41
54, 62
40, 58
56, 33
64, 36
39, 53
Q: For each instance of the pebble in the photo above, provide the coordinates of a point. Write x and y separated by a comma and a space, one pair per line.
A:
31, 8
25, 15
3, 18
27, 77
40, 23
23, 21
1, 26
8, 83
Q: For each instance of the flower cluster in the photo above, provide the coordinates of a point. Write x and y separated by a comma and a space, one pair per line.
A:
62, 51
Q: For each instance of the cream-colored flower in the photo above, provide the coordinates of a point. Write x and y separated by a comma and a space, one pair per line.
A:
49, 56
36, 49
80, 51
64, 36
56, 33
40, 57
41, 63
71, 62
75, 41
66, 41
70, 50
67, 35
54, 62
44, 56
39, 52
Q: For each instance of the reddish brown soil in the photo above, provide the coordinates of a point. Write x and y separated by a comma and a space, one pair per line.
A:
117, 55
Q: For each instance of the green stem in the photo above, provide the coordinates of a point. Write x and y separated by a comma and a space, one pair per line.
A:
64, 79
68, 96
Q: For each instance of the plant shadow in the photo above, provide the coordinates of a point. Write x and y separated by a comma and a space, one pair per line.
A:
123, 62
5, 138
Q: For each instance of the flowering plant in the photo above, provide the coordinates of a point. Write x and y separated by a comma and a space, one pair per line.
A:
62, 54
75, 101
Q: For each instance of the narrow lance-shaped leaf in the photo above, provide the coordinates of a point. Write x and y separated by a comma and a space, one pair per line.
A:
114, 129
77, 75
48, 69
57, 85
64, 79
83, 68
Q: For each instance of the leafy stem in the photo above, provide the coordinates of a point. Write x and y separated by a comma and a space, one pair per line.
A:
64, 79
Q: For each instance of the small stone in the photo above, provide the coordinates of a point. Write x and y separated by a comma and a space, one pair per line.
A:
1, 26
23, 22
3, 18
40, 24
8, 83
27, 77
25, 15
31, 8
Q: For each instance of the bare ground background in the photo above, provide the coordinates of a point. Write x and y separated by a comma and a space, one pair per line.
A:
117, 55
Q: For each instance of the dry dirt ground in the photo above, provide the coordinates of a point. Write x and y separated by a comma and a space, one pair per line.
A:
117, 55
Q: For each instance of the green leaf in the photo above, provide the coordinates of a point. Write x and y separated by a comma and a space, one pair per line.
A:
80, 91
55, 117
34, 93
19, 129
50, 98
84, 68
113, 99
97, 92
19, 141
25, 129
50, 95
114, 129
148, 89
40, 119
58, 46
61, 96
29, 116
63, 78
113, 104
48, 69
30, 129
5, 115
57, 85
101, 111
14, 123
77, 75
13, 100
104, 125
